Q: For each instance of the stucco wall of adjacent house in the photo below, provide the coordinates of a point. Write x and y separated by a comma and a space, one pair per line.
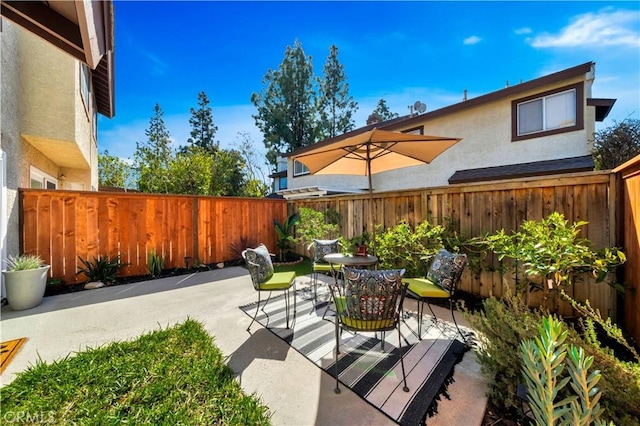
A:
9, 133
486, 142
52, 111
47, 92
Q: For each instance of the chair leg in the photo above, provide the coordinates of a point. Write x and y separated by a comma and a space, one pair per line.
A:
404, 376
287, 305
337, 389
256, 314
454, 319
420, 312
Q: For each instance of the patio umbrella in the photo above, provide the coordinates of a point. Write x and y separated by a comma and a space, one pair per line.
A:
371, 152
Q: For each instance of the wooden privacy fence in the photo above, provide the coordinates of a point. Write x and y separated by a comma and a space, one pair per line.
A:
62, 226
477, 209
629, 235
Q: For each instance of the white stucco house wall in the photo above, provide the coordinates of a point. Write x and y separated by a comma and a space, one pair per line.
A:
543, 126
56, 72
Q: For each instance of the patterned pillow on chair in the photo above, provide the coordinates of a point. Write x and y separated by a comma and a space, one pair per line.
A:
322, 247
446, 269
260, 266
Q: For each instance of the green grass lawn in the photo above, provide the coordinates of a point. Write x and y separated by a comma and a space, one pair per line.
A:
301, 269
172, 376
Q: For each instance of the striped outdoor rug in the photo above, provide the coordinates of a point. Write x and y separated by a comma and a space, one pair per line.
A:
363, 367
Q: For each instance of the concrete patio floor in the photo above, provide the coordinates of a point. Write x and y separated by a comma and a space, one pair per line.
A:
296, 390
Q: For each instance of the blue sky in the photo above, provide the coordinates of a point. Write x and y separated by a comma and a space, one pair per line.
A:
169, 51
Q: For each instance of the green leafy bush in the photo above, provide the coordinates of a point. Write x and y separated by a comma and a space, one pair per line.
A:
316, 225
551, 254
102, 268
413, 248
503, 324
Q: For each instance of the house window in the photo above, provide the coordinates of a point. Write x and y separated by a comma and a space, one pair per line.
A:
282, 183
299, 169
415, 131
40, 180
548, 113
85, 87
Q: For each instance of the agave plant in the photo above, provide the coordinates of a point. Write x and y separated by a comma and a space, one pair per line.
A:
102, 268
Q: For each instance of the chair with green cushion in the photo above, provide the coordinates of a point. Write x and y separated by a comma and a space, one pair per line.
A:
258, 261
320, 248
441, 283
369, 301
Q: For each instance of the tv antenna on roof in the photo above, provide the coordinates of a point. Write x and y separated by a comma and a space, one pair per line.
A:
417, 108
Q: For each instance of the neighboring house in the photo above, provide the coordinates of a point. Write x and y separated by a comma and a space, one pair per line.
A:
540, 127
56, 76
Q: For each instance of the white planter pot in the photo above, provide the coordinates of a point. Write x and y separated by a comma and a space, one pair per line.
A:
25, 289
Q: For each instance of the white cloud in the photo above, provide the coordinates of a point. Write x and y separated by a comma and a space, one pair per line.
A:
525, 30
605, 28
472, 40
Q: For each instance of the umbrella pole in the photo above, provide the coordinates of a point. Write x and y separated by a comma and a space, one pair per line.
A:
373, 226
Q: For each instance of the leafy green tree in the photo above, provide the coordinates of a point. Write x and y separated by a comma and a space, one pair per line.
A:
153, 157
112, 171
228, 175
192, 172
616, 144
202, 128
287, 115
336, 107
382, 111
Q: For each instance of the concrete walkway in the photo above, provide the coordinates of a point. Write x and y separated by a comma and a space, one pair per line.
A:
296, 391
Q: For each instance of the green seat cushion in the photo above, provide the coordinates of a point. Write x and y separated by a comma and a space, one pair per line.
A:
367, 324
341, 304
279, 281
424, 288
322, 267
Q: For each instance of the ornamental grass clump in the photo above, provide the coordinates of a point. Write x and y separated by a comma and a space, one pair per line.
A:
24, 262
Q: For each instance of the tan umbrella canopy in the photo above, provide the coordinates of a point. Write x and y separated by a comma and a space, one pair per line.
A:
372, 152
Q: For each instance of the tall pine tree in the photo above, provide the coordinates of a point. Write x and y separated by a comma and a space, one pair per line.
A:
383, 112
335, 105
203, 130
287, 115
153, 157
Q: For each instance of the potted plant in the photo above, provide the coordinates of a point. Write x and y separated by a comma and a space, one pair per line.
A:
25, 281
358, 244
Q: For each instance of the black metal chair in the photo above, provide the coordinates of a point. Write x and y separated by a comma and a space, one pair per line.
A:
441, 282
369, 301
258, 261
320, 248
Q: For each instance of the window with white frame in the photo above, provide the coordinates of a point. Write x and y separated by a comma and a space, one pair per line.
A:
85, 87
299, 169
548, 113
41, 180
